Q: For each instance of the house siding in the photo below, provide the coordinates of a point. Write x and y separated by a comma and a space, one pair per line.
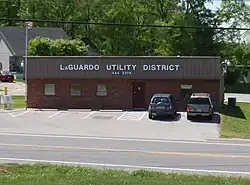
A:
4, 55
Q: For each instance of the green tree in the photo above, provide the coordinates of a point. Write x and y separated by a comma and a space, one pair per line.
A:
127, 40
113, 40
9, 9
188, 41
42, 46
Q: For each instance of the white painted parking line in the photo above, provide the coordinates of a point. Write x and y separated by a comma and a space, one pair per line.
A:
140, 118
11, 114
85, 117
20, 113
119, 118
12, 111
52, 115
135, 116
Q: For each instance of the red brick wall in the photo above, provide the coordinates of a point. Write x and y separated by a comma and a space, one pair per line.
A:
120, 95
117, 90
174, 87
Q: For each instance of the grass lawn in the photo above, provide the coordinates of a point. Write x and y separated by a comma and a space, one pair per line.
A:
18, 102
68, 175
20, 80
235, 123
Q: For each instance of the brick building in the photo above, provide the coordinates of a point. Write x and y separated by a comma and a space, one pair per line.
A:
99, 82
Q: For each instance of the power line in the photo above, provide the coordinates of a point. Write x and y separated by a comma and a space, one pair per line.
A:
212, 0
121, 24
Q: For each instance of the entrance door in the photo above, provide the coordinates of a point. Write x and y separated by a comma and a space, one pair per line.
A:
138, 95
186, 92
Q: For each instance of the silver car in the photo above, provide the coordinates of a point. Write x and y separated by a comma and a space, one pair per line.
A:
200, 104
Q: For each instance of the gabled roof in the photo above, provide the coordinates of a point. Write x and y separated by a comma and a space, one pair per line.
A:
15, 37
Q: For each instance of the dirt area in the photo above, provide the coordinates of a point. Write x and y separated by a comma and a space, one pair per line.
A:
15, 89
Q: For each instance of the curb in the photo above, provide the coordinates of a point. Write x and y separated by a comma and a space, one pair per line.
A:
230, 140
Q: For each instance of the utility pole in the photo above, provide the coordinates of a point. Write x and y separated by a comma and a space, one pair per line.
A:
28, 26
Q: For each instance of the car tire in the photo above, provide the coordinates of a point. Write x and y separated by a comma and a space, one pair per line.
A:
172, 116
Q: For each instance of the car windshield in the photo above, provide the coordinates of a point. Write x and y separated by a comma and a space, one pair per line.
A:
160, 99
199, 101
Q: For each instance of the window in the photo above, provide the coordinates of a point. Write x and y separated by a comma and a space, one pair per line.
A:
172, 98
101, 90
199, 101
160, 100
49, 89
75, 90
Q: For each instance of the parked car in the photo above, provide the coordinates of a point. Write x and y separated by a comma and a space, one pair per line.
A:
200, 104
6, 76
163, 105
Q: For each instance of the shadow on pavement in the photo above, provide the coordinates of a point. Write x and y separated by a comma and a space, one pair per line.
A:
177, 117
216, 119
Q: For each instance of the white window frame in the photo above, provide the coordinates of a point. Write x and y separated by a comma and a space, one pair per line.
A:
78, 93
101, 90
53, 89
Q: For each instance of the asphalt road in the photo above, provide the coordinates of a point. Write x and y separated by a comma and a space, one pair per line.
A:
127, 153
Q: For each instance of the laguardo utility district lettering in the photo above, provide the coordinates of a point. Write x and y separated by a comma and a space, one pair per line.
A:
119, 67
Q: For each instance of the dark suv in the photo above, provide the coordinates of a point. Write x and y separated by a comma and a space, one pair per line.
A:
162, 105
200, 104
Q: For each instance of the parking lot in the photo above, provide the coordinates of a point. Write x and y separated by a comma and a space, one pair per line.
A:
108, 123
78, 115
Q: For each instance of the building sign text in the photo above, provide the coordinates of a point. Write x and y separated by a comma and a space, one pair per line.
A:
120, 69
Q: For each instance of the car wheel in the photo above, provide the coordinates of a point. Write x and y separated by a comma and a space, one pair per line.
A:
172, 116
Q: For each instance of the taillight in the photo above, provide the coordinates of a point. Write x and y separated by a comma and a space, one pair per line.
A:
188, 107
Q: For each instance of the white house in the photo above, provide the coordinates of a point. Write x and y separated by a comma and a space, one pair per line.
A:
12, 44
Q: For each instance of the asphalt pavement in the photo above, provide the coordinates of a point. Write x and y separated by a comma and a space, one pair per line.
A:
134, 124
127, 153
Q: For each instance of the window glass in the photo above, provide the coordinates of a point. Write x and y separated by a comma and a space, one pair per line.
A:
199, 101
49, 89
172, 98
75, 90
101, 90
160, 99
